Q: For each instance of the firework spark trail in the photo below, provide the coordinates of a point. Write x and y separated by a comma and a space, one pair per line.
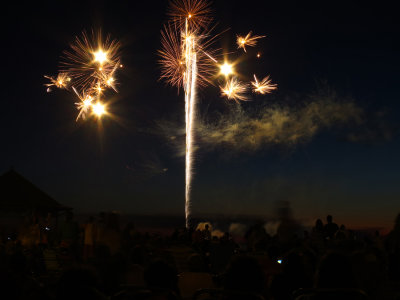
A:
60, 82
234, 90
190, 103
264, 86
187, 60
248, 40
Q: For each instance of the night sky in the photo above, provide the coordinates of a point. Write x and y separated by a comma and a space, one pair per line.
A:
347, 52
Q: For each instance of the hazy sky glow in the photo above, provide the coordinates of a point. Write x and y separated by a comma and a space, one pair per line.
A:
326, 140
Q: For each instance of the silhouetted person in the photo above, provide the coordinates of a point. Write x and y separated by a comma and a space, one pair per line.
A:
220, 253
197, 263
256, 237
89, 238
196, 237
128, 235
78, 284
342, 233
15, 278
330, 228
244, 274
68, 235
162, 276
319, 227
392, 244
112, 235
335, 271
69, 229
207, 233
297, 273
288, 228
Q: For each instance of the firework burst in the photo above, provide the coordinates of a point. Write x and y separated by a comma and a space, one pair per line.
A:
61, 81
234, 90
90, 58
248, 40
173, 54
196, 12
188, 60
89, 67
264, 86
172, 63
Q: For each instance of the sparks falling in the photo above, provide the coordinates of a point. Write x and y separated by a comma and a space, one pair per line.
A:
187, 61
264, 86
89, 68
234, 90
190, 103
90, 58
248, 40
84, 105
61, 81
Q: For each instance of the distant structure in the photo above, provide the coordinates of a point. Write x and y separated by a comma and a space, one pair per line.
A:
19, 195
22, 203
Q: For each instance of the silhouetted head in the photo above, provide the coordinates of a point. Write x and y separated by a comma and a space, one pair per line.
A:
102, 216
336, 271
244, 274
329, 219
197, 263
319, 224
161, 275
397, 223
78, 283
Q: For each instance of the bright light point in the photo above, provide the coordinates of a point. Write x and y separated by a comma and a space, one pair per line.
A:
87, 103
98, 88
121, 66
234, 90
99, 109
258, 55
226, 69
189, 16
110, 81
242, 41
100, 56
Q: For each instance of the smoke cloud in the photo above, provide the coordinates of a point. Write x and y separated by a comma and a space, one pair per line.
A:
253, 126
277, 124
237, 229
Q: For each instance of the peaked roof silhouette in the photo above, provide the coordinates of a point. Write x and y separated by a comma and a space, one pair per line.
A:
18, 193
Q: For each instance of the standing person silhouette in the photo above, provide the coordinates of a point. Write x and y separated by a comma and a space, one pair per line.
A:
330, 228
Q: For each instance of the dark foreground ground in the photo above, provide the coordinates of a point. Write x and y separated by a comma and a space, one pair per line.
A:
112, 258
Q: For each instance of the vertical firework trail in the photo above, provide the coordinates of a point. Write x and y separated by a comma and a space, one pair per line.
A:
190, 104
187, 60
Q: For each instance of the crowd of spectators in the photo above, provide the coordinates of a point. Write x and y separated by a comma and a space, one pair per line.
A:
99, 260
